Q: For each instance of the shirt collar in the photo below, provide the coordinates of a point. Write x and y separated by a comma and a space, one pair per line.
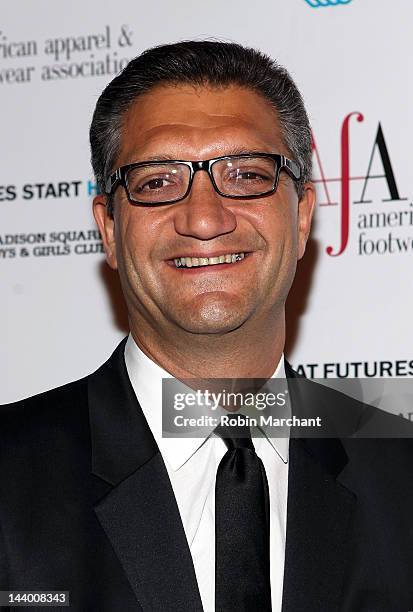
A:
146, 379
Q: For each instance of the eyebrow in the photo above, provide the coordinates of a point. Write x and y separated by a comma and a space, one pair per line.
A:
234, 150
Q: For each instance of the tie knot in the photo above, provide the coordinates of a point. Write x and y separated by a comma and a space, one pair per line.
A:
235, 436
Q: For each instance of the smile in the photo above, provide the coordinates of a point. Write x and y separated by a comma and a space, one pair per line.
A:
195, 262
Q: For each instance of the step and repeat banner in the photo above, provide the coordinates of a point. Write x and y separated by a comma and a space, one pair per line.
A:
349, 313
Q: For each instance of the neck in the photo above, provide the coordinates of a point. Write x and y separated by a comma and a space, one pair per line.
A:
242, 353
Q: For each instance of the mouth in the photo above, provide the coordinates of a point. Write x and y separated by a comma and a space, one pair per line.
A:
202, 262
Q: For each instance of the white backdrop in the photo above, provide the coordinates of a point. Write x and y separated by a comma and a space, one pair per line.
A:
352, 62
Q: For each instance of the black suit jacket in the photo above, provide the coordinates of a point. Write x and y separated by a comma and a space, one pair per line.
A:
86, 505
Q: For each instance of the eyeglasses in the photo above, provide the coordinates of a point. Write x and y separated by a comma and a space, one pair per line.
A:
246, 176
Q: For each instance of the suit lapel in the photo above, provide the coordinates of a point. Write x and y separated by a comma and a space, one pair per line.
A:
319, 512
139, 514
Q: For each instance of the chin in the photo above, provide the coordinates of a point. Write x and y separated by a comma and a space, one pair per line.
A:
210, 327
210, 320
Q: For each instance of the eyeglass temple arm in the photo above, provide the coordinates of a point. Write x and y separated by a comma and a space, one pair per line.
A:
293, 168
112, 181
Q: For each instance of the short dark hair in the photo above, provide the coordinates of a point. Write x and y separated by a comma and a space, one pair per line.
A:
200, 63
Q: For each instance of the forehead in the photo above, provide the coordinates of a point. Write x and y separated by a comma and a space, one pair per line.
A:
188, 122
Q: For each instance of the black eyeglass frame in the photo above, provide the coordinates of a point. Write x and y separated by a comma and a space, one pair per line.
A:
119, 177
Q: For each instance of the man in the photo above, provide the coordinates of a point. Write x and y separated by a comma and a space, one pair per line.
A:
203, 154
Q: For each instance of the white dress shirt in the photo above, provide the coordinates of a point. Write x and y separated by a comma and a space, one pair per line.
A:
192, 466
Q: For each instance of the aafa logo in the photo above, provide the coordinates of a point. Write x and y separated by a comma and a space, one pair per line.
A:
318, 3
373, 220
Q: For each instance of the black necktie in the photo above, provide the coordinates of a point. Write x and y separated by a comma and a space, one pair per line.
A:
242, 565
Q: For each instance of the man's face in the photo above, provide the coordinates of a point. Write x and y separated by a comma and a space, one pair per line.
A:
188, 123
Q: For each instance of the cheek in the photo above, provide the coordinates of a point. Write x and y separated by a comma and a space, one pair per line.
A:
131, 244
277, 225
139, 252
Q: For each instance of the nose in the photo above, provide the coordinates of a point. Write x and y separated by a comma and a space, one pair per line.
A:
204, 214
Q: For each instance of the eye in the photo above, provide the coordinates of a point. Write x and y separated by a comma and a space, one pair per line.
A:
143, 182
153, 184
250, 175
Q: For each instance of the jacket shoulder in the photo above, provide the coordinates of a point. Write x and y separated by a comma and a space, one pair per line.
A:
51, 410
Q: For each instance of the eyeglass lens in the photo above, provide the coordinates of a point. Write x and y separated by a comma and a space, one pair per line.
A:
238, 176
244, 176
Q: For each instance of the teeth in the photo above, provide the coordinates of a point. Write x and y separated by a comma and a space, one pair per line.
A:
193, 262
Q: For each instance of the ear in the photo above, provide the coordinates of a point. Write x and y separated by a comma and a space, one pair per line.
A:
306, 208
106, 225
